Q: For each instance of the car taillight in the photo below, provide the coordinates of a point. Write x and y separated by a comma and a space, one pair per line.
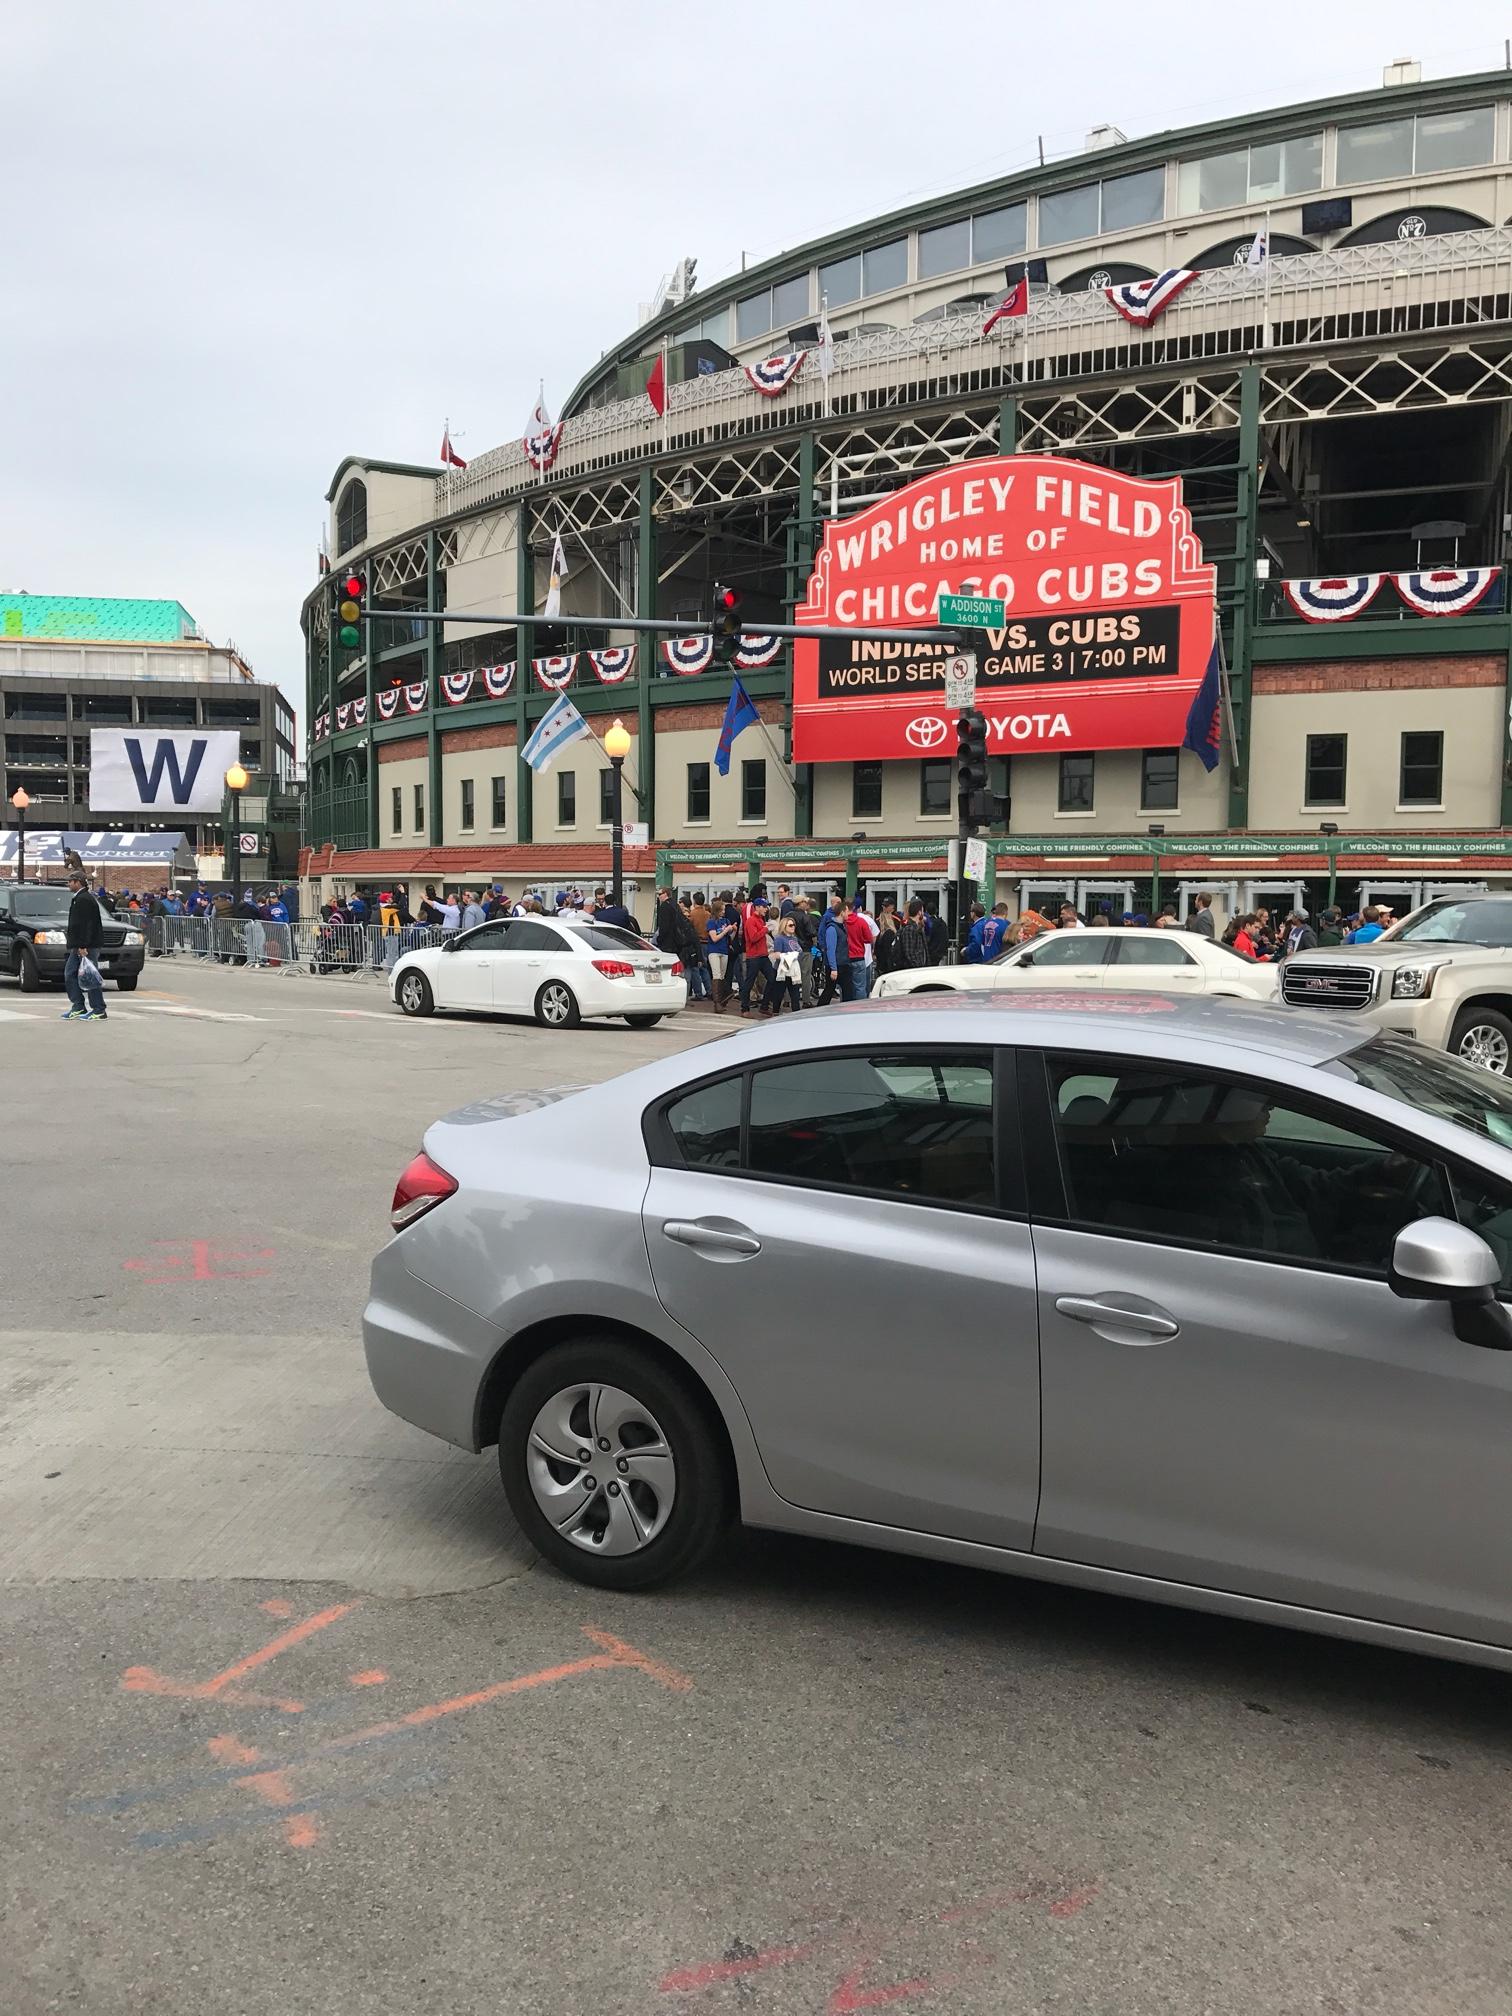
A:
614, 969
423, 1184
676, 968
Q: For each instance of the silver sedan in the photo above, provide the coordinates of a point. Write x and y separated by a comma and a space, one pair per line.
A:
1190, 1300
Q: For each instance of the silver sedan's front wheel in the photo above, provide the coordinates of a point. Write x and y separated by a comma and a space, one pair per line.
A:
601, 1469
615, 1463
415, 994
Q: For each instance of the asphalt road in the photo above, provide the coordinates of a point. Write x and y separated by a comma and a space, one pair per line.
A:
294, 1722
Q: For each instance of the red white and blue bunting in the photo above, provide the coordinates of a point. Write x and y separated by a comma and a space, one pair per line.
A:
1333, 598
688, 654
556, 672
614, 663
756, 649
1446, 591
322, 727
359, 710
387, 703
774, 374
1142, 301
343, 714
541, 447
456, 686
497, 679
415, 698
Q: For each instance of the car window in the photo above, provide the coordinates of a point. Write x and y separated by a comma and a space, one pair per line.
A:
905, 1125
526, 934
608, 938
486, 938
1172, 1153
1430, 1082
1485, 920
1149, 952
1068, 948
705, 1124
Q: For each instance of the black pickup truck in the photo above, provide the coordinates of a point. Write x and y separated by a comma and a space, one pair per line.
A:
34, 942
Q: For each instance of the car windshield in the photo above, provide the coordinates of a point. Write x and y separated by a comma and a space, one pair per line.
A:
610, 938
1432, 1083
1453, 920
38, 906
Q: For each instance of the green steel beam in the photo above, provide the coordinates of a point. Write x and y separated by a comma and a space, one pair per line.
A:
1283, 643
435, 659
803, 533
645, 608
1245, 542
524, 599
1008, 424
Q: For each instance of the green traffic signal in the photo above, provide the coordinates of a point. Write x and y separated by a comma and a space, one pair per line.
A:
348, 637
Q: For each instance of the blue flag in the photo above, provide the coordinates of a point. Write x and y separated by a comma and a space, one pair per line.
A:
741, 713
1204, 727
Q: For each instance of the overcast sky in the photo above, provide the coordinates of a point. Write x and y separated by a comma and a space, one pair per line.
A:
246, 238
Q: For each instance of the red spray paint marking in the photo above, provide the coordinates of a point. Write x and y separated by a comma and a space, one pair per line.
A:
197, 1260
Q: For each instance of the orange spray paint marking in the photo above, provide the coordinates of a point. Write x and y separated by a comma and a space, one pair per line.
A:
372, 1678
688, 1980
201, 1262
850, 1995
1067, 1907
227, 1750
277, 1606
222, 1686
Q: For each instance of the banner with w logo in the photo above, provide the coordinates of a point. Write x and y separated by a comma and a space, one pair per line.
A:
152, 770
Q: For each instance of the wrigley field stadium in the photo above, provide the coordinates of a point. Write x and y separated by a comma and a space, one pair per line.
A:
1234, 456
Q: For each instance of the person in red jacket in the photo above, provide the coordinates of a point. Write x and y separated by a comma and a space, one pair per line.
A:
757, 947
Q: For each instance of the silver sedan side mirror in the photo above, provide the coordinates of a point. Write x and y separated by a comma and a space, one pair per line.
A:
1436, 1260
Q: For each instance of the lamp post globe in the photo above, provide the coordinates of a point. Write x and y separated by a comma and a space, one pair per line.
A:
236, 783
617, 748
20, 798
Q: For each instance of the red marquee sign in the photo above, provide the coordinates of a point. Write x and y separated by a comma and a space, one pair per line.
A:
1109, 613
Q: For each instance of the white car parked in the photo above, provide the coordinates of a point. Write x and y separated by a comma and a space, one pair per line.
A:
557, 969
1119, 958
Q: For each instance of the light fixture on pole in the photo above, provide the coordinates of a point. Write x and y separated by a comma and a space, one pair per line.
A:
20, 799
617, 748
236, 783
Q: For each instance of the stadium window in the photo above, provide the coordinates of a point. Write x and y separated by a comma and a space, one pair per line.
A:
567, 798
1128, 200
1422, 779
753, 316
1375, 153
1076, 784
753, 788
1453, 140
698, 794
935, 778
1324, 774
466, 811
499, 801
884, 267
840, 281
1068, 213
1158, 780
1256, 174
945, 249
999, 234
790, 301
351, 516
866, 791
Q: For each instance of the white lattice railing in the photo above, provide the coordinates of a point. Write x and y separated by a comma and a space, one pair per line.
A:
1459, 281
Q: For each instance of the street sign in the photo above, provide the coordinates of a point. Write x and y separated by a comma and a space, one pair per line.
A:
976, 860
960, 680
973, 612
636, 834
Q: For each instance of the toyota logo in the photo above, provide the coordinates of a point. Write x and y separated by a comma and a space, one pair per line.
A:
928, 732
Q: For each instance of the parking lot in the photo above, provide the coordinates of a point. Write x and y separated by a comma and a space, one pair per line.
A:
294, 1721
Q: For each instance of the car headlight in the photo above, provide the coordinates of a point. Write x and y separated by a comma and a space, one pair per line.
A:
49, 937
1412, 983
133, 937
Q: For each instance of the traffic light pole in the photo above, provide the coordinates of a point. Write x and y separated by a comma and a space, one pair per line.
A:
671, 626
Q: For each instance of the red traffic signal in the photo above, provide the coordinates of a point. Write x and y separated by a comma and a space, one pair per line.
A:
726, 621
349, 611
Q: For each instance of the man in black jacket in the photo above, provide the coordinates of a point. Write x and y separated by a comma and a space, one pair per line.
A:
86, 934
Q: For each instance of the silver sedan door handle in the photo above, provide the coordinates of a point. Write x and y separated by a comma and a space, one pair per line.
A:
684, 1233
1085, 1309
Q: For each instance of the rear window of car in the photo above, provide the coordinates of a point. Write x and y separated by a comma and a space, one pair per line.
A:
608, 938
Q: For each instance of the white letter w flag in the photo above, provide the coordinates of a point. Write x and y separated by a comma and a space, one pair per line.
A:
167, 771
559, 725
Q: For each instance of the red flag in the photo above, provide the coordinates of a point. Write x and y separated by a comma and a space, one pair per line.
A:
448, 453
1015, 302
656, 385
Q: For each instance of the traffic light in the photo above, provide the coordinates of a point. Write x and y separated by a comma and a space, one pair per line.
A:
976, 806
726, 622
351, 597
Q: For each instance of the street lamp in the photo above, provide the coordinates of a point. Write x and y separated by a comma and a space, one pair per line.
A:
1330, 831
617, 748
236, 783
20, 800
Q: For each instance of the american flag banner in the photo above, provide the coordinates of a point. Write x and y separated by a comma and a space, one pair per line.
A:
775, 374
343, 714
1143, 301
387, 703
415, 697
756, 649
688, 654
556, 672
456, 686
359, 710
613, 663
497, 679
542, 437
1332, 598
1446, 591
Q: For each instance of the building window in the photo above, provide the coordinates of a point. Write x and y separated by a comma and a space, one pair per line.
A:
698, 793
1158, 780
790, 301
567, 798
1115, 205
999, 234
866, 791
945, 249
351, 516
1391, 148
419, 808
1453, 140
467, 805
934, 787
1323, 783
1250, 175
606, 798
753, 788
1129, 200
1075, 793
753, 316
500, 802
1422, 780
840, 281
396, 809
884, 267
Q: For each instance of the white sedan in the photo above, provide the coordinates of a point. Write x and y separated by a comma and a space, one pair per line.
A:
556, 969
1119, 958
